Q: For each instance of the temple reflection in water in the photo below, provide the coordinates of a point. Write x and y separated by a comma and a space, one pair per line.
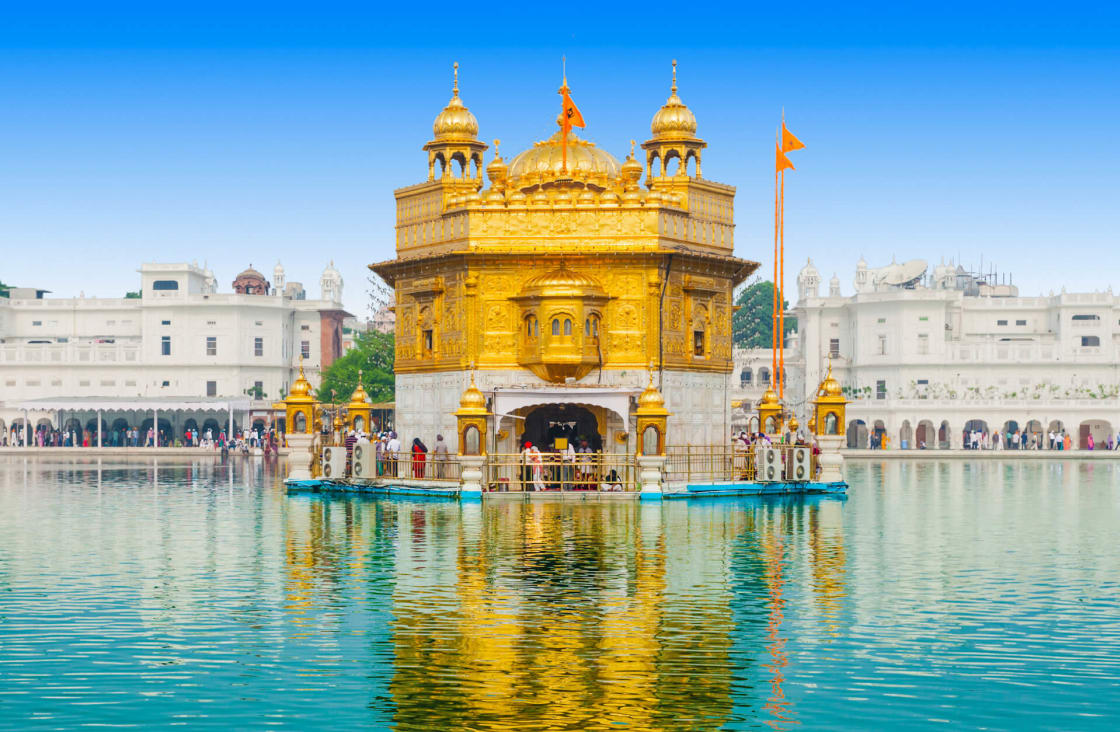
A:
573, 615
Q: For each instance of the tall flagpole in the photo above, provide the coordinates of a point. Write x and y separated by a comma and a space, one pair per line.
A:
782, 292
774, 289
563, 115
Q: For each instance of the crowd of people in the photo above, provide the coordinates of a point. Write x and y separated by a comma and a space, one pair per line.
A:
391, 460
564, 465
1019, 440
265, 439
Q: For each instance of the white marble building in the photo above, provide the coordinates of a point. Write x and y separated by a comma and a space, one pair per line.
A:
180, 340
925, 355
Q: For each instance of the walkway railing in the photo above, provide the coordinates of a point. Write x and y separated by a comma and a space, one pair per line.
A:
432, 468
716, 463
593, 472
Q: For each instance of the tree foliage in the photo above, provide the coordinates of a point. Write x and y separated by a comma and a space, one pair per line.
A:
752, 324
373, 354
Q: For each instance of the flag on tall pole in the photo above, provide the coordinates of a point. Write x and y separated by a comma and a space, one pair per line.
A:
786, 142
569, 116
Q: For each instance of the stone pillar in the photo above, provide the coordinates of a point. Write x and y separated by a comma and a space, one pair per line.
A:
830, 459
470, 484
649, 476
155, 428
299, 455
98, 428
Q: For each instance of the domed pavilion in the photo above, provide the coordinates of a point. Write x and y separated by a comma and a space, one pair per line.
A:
562, 281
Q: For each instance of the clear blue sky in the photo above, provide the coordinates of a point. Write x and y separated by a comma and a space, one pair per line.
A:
134, 133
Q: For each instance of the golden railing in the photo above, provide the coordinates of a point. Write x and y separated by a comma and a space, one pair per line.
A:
715, 463
588, 472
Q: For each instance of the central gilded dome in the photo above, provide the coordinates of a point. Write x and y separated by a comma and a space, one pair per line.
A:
544, 161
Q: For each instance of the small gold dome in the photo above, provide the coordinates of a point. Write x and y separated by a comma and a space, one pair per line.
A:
812, 423
674, 119
770, 397
455, 122
651, 398
497, 171
830, 387
301, 387
793, 424
472, 398
544, 161
562, 282
359, 396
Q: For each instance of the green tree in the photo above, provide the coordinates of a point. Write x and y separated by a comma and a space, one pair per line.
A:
132, 295
373, 355
752, 324
4, 289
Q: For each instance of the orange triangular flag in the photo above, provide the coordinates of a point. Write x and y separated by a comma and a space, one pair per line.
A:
569, 115
789, 141
782, 162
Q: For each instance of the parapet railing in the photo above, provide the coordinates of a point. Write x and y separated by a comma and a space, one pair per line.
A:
716, 463
549, 471
405, 465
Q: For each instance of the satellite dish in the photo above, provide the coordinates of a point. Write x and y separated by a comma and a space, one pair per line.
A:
907, 273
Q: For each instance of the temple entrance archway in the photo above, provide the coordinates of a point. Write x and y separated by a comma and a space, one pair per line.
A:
906, 436
944, 436
857, 434
1032, 434
925, 438
545, 424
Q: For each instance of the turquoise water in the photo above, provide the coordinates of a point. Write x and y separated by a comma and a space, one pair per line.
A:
938, 596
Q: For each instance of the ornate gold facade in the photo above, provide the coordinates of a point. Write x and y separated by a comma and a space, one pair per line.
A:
564, 271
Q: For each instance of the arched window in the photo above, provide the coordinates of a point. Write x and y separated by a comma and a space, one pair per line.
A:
556, 326
831, 424
698, 342
746, 377
651, 440
530, 326
165, 285
472, 443
300, 422
567, 326
764, 377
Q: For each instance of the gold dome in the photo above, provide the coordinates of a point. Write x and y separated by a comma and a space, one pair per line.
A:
455, 122
497, 171
830, 387
359, 396
651, 398
302, 387
472, 398
793, 425
544, 161
674, 119
562, 282
770, 397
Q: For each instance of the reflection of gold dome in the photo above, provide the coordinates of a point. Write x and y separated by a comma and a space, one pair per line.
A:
674, 119
455, 122
472, 398
544, 161
562, 282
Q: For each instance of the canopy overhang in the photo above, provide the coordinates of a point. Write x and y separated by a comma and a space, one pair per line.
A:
616, 399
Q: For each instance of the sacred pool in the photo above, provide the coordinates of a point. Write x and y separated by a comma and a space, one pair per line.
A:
938, 594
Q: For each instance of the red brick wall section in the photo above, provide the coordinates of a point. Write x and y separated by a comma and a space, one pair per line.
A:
330, 336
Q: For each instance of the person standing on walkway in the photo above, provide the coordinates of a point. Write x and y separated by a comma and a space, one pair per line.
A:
419, 457
439, 455
393, 448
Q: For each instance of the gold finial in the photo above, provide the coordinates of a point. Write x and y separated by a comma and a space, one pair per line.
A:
359, 377
674, 76
497, 142
455, 87
301, 365
631, 148
564, 69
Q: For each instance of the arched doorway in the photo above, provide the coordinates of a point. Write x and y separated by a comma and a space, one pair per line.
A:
1055, 432
878, 436
944, 438
905, 436
975, 434
857, 434
924, 437
1099, 429
1032, 435
545, 424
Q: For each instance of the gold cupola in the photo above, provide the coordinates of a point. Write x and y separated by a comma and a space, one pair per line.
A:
454, 141
300, 406
673, 132
829, 406
561, 313
652, 417
770, 413
472, 417
359, 411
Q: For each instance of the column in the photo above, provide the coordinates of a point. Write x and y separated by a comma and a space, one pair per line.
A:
26, 428
230, 433
155, 428
99, 428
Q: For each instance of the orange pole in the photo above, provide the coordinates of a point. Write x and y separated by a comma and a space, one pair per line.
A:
782, 293
774, 290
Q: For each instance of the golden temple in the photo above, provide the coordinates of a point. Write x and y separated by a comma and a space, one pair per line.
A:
563, 284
